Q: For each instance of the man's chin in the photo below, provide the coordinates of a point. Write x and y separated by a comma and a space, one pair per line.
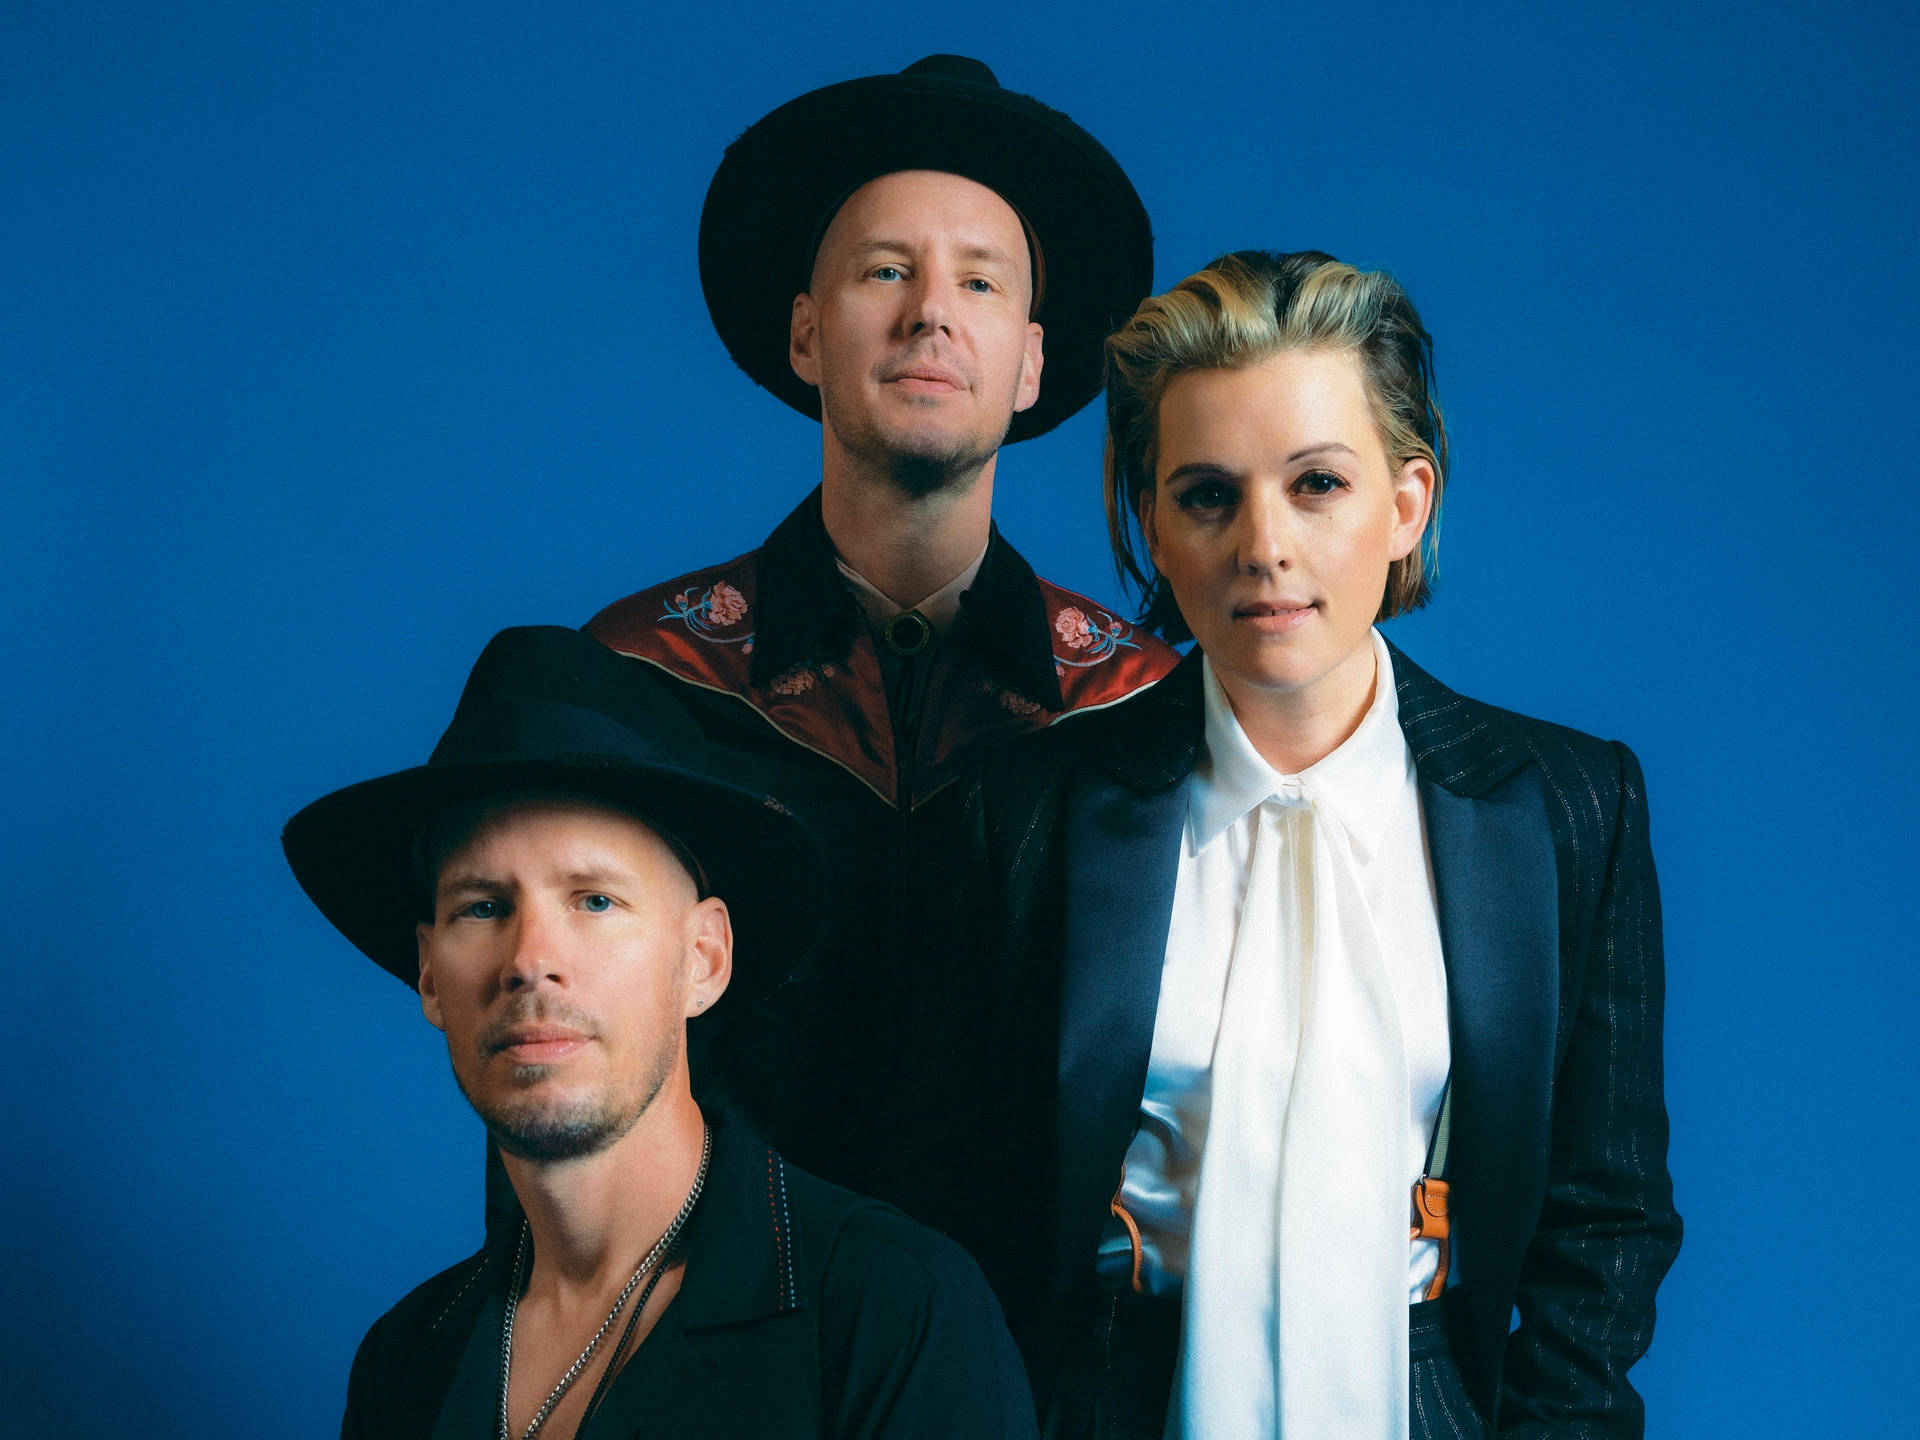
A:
921, 465
569, 1133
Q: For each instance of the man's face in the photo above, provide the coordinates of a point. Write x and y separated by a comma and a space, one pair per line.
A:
915, 327
567, 947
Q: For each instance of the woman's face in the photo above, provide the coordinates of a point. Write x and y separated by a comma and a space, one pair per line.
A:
1274, 515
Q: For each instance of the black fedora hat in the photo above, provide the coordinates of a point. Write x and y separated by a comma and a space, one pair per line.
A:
551, 709
780, 181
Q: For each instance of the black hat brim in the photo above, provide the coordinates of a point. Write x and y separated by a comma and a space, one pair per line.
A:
779, 179
353, 853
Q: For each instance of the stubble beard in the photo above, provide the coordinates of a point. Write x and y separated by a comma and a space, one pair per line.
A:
548, 1131
918, 467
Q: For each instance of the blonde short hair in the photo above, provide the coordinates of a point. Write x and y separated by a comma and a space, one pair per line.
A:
1240, 310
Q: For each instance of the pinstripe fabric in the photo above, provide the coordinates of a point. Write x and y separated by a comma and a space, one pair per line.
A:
1570, 1220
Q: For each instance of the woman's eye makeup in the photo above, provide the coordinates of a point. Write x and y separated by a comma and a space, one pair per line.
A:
1205, 494
1319, 482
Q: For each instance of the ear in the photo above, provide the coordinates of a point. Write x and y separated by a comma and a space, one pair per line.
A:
803, 338
1412, 503
1032, 360
709, 953
429, 988
1148, 530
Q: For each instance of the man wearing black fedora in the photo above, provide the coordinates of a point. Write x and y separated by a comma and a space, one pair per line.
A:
568, 894
927, 263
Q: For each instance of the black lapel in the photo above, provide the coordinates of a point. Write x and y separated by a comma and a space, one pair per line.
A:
1007, 615
1124, 818
804, 611
1496, 885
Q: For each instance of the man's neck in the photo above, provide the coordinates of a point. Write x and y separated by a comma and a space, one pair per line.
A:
592, 1219
905, 546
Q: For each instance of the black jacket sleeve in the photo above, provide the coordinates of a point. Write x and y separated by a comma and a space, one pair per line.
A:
1608, 1231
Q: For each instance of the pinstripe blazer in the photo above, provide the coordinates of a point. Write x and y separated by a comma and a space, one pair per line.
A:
1550, 925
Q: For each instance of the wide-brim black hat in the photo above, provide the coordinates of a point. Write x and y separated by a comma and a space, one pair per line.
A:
774, 192
551, 709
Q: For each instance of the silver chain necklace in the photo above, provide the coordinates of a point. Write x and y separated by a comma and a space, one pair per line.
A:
661, 1249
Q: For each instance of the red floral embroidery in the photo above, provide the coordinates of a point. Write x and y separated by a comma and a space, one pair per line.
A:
729, 606
796, 681
1101, 638
1071, 625
719, 607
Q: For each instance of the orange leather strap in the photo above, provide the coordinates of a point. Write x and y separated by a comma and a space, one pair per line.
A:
1119, 1212
1431, 1222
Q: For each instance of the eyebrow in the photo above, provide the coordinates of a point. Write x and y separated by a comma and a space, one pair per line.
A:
596, 875
1214, 467
1196, 467
992, 254
453, 884
1321, 449
592, 875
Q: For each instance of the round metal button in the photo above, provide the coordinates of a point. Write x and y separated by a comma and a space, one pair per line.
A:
908, 633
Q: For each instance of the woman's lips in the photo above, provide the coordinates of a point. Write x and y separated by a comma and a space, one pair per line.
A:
1274, 617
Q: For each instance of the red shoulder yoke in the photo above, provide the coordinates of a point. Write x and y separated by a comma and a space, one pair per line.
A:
699, 628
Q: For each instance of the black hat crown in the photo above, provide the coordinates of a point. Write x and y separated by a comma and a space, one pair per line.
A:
551, 709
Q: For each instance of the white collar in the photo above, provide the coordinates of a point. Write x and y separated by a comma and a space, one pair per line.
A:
1357, 783
939, 608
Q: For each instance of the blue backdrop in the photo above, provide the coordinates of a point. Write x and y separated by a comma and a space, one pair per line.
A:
338, 336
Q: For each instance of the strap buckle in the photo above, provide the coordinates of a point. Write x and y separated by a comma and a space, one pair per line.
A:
1432, 1221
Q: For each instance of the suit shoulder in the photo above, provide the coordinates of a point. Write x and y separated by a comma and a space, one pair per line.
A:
1588, 780
1470, 745
1100, 659
1558, 747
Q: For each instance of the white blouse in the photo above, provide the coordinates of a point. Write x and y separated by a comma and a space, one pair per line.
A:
1370, 783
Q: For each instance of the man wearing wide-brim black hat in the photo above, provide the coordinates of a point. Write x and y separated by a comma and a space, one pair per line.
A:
929, 263
567, 894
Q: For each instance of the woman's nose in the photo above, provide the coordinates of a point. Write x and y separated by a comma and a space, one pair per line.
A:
1266, 534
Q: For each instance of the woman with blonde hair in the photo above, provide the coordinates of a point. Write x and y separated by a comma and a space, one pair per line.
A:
1356, 1052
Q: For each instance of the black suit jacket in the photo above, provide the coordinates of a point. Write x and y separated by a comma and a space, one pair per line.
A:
1550, 924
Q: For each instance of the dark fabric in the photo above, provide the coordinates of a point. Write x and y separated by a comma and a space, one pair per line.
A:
1549, 915
1438, 1406
1112, 1374
804, 1311
851, 1066
1114, 1379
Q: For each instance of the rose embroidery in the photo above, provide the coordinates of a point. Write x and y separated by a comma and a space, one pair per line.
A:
1017, 704
1100, 635
725, 604
1073, 627
796, 681
719, 607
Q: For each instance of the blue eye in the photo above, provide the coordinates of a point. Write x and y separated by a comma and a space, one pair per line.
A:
979, 286
887, 272
596, 904
480, 910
